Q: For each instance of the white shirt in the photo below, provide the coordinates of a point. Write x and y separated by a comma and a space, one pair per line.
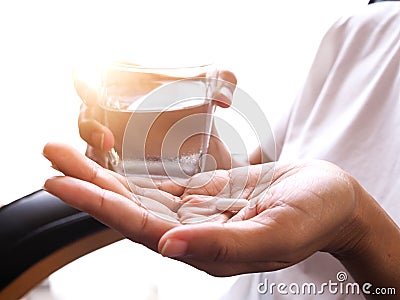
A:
348, 113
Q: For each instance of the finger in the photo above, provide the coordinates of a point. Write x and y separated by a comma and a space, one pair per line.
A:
226, 85
96, 155
218, 155
235, 242
87, 93
92, 131
72, 163
223, 269
110, 208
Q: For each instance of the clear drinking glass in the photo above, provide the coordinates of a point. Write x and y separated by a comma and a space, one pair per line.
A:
161, 118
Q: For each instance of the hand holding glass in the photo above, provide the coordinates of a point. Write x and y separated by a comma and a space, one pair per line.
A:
161, 118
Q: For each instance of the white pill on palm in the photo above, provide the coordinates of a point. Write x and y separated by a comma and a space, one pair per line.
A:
230, 204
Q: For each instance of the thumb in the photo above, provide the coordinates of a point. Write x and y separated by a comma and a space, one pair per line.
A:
234, 241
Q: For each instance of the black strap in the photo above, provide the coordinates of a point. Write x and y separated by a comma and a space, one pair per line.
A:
375, 1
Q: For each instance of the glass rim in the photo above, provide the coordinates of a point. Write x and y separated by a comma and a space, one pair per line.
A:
124, 65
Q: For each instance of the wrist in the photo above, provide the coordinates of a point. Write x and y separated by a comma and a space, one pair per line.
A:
369, 244
354, 237
368, 230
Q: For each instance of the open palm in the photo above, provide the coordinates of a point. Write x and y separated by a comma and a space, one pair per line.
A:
256, 218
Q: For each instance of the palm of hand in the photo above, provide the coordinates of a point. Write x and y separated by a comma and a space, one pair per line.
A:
297, 210
293, 210
213, 196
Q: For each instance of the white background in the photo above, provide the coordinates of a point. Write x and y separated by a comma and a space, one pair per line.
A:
268, 44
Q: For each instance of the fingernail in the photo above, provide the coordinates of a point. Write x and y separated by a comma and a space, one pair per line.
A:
98, 139
174, 248
49, 180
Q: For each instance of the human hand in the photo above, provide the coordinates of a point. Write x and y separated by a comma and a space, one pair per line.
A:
293, 211
142, 191
139, 199
100, 139
107, 196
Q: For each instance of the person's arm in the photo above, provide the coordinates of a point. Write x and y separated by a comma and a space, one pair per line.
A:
373, 254
294, 210
365, 239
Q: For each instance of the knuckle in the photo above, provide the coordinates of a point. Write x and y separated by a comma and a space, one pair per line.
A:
94, 170
144, 219
102, 199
